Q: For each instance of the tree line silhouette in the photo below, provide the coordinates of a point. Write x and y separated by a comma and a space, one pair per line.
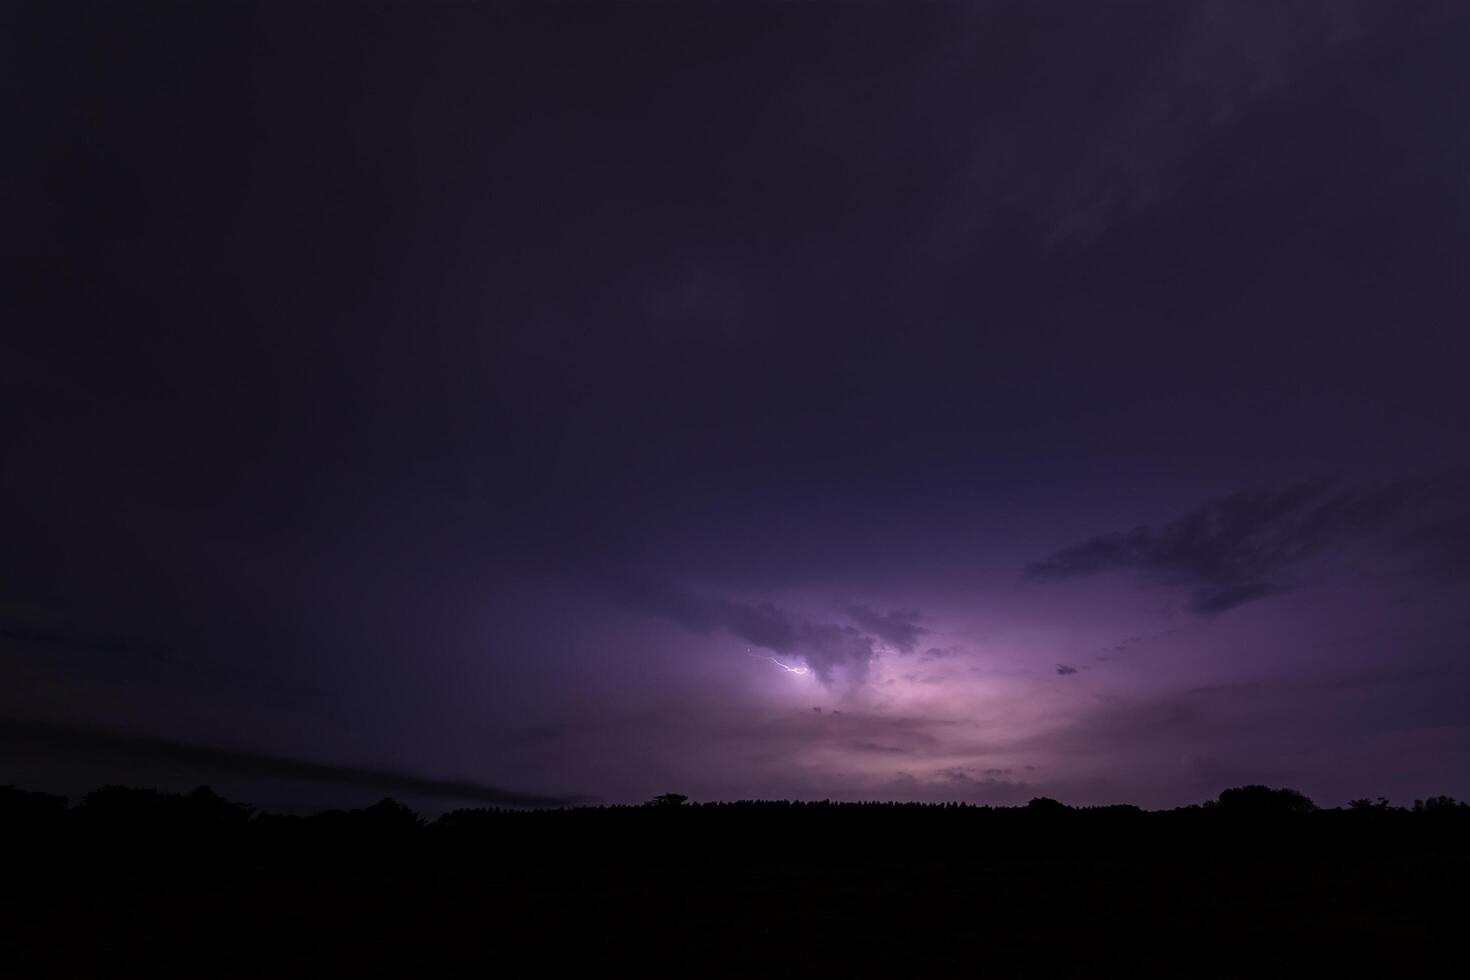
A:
1258, 882
119, 835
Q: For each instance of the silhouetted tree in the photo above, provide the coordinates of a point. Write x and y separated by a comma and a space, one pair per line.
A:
668, 800
21, 808
1047, 805
1264, 800
390, 815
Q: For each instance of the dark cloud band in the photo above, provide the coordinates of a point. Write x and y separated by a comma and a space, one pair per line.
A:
1230, 549
26, 738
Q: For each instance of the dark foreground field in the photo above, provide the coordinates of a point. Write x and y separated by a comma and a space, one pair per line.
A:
862, 892
1024, 918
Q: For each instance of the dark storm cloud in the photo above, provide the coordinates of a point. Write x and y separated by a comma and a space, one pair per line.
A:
1230, 548
34, 739
106, 656
703, 300
1207, 602
1064, 669
826, 647
898, 629
1443, 547
31, 633
1119, 138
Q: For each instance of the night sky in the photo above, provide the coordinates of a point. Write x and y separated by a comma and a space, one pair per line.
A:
812, 401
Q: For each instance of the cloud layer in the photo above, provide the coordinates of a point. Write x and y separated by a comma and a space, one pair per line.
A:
831, 649
31, 739
1234, 550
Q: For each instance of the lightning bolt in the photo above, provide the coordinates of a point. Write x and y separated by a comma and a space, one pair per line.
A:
786, 667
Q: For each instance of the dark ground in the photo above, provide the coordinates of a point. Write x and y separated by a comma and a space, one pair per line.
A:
1027, 918
136, 884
